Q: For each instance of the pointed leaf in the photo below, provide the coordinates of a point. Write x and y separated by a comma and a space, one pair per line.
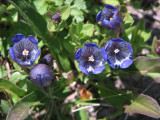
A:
21, 109
145, 105
5, 106
143, 65
11, 88
65, 12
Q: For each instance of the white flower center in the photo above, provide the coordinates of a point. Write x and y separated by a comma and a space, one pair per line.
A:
25, 52
91, 58
116, 51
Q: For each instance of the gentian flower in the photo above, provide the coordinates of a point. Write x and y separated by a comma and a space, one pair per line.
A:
118, 53
91, 58
41, 75
110, 17
25, 50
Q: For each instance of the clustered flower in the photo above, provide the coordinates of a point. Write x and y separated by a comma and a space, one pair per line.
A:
116, 52
110, 17
91, 58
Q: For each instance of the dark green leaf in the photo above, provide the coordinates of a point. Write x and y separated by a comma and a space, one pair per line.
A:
11, 88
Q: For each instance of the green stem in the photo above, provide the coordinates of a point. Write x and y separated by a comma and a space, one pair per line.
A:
55, 106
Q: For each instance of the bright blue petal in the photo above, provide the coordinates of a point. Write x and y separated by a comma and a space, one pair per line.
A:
78, 54
91, 45
126, 63
17, 38
99, 69
83, 69
99, 16
108, 6
107, 24
32, 39
12, 53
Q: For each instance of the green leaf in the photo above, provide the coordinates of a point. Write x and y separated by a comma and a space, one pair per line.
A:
16, 77
80, 4
115, 97
3, 72
77, 14
33, 18
82, 115
145, 105
41, 6
128, 21
65, 63
5, 106
112, 2
88, 29
11, 88
58, 2
68, 1
65, 12
20, 110
143, 65
145, 35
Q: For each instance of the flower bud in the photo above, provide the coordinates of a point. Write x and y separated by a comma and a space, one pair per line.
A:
47, 59
56, 18
41, 75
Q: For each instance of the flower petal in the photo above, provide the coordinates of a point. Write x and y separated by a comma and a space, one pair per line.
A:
12, 53
91, 45
17, 38
78, 54
108, 6
107, 24
32, 39
99, 69
99, 16
83, 69
126, 63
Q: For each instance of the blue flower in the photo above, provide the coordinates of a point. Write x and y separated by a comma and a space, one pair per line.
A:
25, 50
41, 75
91, 58
110, 17
118, 53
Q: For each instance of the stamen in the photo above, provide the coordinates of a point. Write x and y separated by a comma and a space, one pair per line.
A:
91, 58
25, 52
111, 18
116, 51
